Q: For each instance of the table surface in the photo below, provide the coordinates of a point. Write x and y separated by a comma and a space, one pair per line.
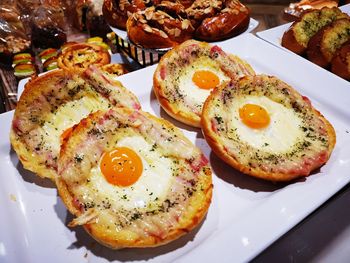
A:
324, 236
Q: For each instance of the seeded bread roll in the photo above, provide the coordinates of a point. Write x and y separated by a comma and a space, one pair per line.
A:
186, 75
323, 46
159, 27
264, 128
169, 199
341, 61
297, 37
51, 104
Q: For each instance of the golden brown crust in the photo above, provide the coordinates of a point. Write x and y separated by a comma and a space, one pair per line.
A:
191, 216
115, 69
116, 13
289, 41
159, 27
230, 20
232, 66
341, 62
81, 56
213, 139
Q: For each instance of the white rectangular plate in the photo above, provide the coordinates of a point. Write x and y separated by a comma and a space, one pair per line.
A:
246, 214
274, 35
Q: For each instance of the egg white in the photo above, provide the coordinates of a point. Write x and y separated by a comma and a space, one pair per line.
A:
193, 95
151, 188
282, 132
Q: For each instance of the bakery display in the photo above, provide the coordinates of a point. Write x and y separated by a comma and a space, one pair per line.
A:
264, 128
296, 38
80, 56
54, 102
132, 179
187, 74
158, 27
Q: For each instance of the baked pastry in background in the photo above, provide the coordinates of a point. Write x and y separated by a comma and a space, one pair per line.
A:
187, 74
324, 44
115, 70
264, 128
341, 61
132, 179
157, 27
51, 104
296, 38
216, 20
81, 56
117, 12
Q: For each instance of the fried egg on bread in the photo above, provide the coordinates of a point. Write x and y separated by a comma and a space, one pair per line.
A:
132, 179
186, 75
53, 103
264, 128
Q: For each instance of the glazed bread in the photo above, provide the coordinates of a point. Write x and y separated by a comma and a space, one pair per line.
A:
53, 103
341, 61
296, 38
117, 12
158, 27
323, 46
175, 87
81, 56
169, 199
217, 20
264, 128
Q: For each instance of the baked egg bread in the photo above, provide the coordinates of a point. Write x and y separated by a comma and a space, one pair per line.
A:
186, 75
264, 128
132, 179
51, 104
81, 55
296, 38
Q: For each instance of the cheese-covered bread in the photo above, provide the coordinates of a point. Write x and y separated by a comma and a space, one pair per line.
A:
132, 179
264, 128
53, 103
186, 75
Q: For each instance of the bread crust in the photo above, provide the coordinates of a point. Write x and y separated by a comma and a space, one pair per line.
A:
223, 25
192, 215
341, 62
71, 57
159, 27
228, 63
297, 37
214, 141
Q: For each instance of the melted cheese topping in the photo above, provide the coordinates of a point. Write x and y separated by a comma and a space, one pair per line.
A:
279, 136
150, 189
68, 115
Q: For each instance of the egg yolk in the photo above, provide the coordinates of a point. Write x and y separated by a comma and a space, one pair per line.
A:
121, 166
254, 116
205, 79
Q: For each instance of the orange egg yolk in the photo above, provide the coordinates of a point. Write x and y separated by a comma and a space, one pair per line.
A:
254, 116
121, 166
205, 79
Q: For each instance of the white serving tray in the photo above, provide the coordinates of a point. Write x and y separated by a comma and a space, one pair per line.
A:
246, 214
